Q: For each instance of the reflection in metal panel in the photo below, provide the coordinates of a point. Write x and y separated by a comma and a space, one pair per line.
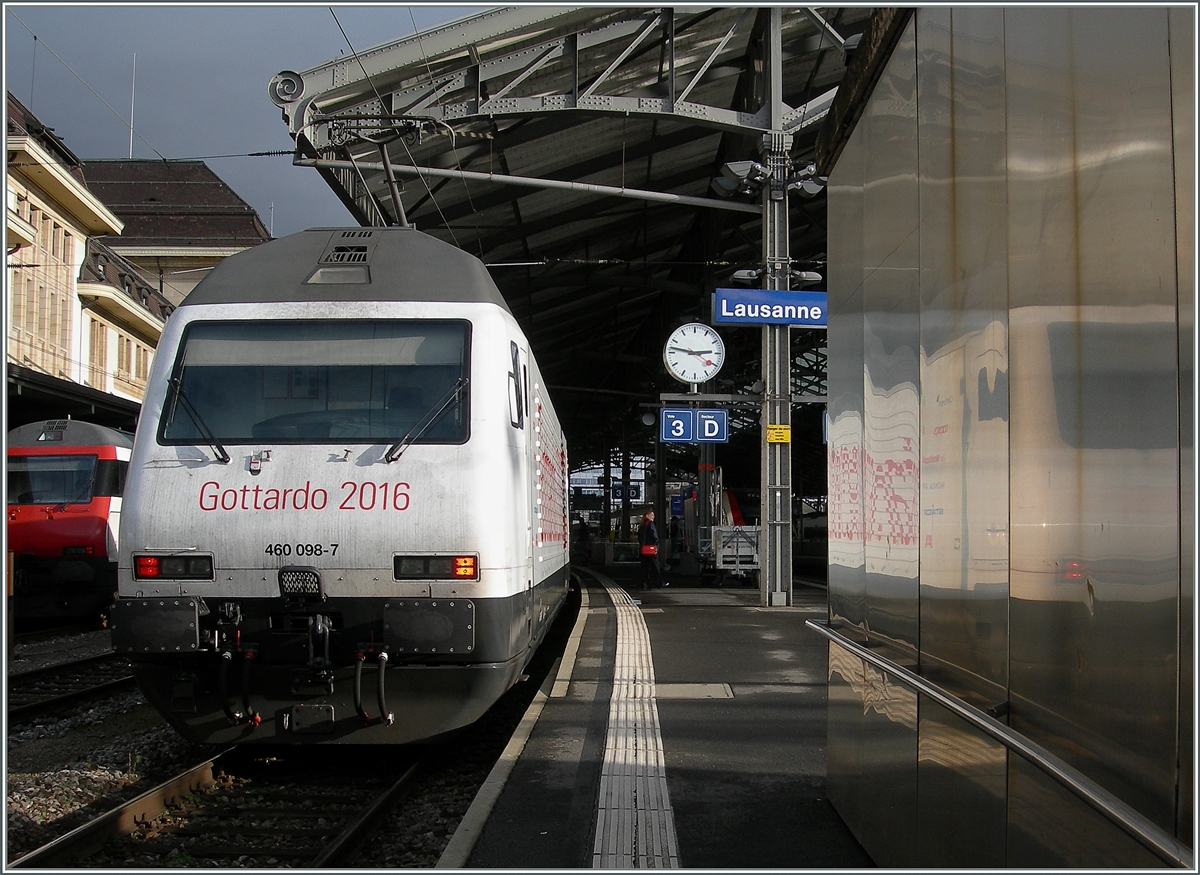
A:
890, 344
1095, 565
1048, 827
961, 789
964, 352
1183, 97
1054, 533
846, 560
872, 757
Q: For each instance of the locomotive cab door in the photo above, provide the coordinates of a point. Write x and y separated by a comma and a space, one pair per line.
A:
522, 418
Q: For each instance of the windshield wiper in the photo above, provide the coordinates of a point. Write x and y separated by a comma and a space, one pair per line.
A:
422, 425
198, 421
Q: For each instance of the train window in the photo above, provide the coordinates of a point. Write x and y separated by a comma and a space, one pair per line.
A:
110, 477
50, 479
1115, 384
516, 395
320, 382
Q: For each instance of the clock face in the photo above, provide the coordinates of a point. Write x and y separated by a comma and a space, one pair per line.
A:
694, 353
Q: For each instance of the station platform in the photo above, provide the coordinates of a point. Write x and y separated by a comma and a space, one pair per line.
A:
684, 727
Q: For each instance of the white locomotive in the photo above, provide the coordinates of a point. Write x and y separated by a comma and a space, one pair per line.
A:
346, 513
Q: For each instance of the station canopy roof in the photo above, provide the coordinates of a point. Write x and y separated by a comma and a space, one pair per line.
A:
590, 138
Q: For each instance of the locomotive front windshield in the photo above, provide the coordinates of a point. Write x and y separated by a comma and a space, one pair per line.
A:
319, 382
50, 479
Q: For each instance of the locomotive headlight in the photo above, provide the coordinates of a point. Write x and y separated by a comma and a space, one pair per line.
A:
465, 567
173, 567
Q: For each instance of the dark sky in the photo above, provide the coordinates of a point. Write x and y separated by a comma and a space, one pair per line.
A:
201, 84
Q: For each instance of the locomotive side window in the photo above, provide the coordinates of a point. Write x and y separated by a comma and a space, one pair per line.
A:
320, 382
1114, 384
516, 393
50, 479
110, 477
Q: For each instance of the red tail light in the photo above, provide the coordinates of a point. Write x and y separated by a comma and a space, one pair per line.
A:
464, 566
1074, 570
173, 567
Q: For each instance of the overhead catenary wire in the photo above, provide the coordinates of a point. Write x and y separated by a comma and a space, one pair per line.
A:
128, 123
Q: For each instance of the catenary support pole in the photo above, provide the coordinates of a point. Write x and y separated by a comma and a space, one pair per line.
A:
775, 540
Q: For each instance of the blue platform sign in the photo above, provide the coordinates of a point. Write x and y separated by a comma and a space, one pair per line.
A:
770, 307
677, 426
688, 426
676, 505
712, 426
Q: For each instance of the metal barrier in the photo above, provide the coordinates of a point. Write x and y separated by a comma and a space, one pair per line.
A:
1166, 847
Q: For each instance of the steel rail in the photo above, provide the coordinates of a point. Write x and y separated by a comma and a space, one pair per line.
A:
339, 851
20, 711
1166, 847
69, 849
50, 670
532, 182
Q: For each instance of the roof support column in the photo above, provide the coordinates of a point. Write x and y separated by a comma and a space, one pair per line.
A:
775, 541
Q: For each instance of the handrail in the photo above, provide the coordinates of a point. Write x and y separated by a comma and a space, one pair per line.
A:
1166, 847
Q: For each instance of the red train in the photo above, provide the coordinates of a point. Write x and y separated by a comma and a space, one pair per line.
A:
65, 480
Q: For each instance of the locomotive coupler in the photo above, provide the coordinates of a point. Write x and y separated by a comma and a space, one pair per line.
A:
319, 629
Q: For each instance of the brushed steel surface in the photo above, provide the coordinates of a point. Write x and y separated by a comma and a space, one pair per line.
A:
1093, 422
1182, 23
1113, 811
872, 757
891, 341
1052, 160
844, 379
964, 351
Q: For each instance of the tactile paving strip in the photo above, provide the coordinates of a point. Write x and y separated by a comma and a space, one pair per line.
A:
635, 828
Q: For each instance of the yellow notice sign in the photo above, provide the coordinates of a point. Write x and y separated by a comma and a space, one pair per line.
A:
779, 434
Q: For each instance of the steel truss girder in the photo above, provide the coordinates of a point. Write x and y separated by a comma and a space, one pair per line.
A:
326, 95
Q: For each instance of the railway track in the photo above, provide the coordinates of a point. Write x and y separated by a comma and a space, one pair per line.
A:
294, 810
45, 690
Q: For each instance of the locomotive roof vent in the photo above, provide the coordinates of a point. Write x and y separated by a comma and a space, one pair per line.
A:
345, 258
53, 430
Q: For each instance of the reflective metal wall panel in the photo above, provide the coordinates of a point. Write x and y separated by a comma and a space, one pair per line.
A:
891, 339
962, 778
1094, 400
1183, 95
1011, 238
847, 585
872, 754
1050, 826
964, 352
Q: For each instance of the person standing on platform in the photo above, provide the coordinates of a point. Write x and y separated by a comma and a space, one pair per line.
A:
648, 548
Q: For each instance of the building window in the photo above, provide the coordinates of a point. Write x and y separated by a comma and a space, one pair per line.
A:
55, 233
18, 301
64, 330
30, 307
98, 354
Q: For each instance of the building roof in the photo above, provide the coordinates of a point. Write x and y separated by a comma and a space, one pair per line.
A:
177, 204
40, 157
101, 265
23, 123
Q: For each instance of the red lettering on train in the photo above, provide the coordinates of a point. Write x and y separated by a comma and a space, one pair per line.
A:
365, 497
